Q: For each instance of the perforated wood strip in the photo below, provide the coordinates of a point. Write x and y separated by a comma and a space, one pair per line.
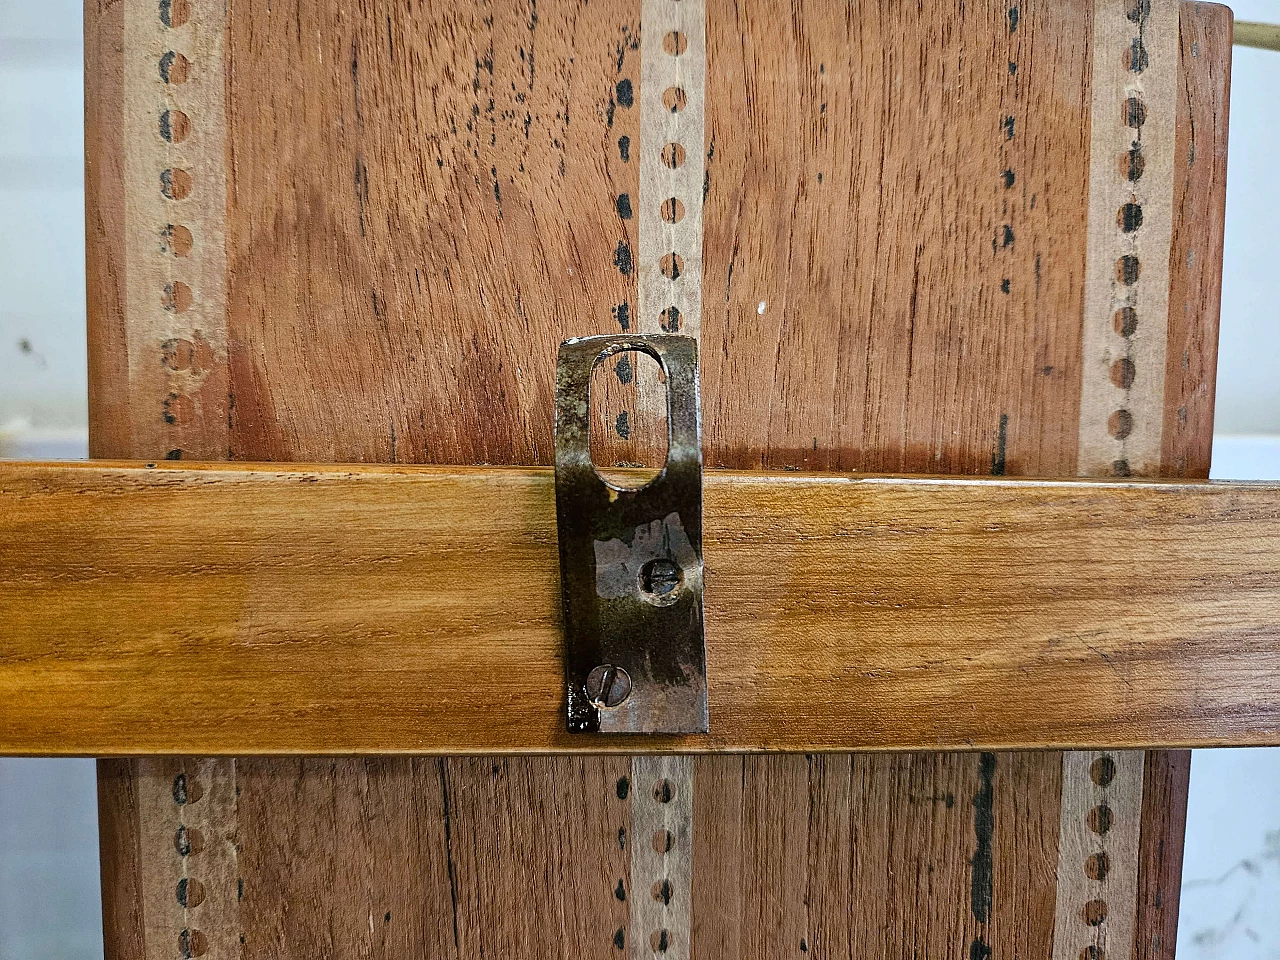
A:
1098, 855
175, 340
661, 857
175, 211
1126, 305
673, 65
190, 896
1122, 415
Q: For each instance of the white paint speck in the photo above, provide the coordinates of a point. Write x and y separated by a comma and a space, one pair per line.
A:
764, 305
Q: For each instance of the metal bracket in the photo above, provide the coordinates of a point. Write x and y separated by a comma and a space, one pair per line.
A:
631, 559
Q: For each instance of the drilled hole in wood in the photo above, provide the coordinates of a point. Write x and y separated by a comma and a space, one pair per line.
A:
673, 156
1097, 866
1127, 270
175, 126
174, 68
1103, 770
1119, 425
188, 841
1135, 112
1125, 321
664, 791
176, 297
192, 943
1132, 164
669, 320
1099, 819
674, 99
1094, 913
672, 266
663, 841
179, 354
186, 789
671, 210
179, 409
662, 891
675, 43
175, 183
190, 892
660, 940
1129, 217
1136, 58
1123, 373
175, 13
176, 239
628, 439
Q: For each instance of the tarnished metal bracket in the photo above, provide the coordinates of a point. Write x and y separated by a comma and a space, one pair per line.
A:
631, 559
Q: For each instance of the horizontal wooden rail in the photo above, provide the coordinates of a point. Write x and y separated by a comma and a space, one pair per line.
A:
337, 610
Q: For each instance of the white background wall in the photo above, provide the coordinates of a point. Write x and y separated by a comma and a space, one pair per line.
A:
49, 906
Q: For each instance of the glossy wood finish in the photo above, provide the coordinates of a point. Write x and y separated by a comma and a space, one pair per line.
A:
334, 611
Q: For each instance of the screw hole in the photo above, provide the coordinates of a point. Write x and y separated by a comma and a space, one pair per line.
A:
1099, 819
675, 43
1097, 866
175, 183
1123, 373
1094, 913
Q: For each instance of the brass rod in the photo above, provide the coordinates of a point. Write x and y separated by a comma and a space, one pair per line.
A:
1263, 36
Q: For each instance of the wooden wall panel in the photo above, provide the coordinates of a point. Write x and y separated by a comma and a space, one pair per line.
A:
422, 200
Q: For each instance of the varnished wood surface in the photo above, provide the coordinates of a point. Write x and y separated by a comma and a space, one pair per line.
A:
378, 307
336, 610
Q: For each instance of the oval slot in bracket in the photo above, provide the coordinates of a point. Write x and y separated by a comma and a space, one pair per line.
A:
631, 559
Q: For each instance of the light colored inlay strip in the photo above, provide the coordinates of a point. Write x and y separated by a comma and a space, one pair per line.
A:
1126, 320
673, 66
1126, 305
175, 209
673, 63
190, 884
1098, 855
661, 857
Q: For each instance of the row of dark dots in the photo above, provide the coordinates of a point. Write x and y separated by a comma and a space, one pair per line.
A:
1096, 867
672, 209
176, 240
174, 126
188, 841
1131, 166
662, 890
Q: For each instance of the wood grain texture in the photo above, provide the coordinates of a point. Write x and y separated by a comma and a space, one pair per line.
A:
842, 612
1195, 259
429, 336
1164, 826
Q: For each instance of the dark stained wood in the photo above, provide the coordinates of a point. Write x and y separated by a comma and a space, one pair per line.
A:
1164, 825
1195, 261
